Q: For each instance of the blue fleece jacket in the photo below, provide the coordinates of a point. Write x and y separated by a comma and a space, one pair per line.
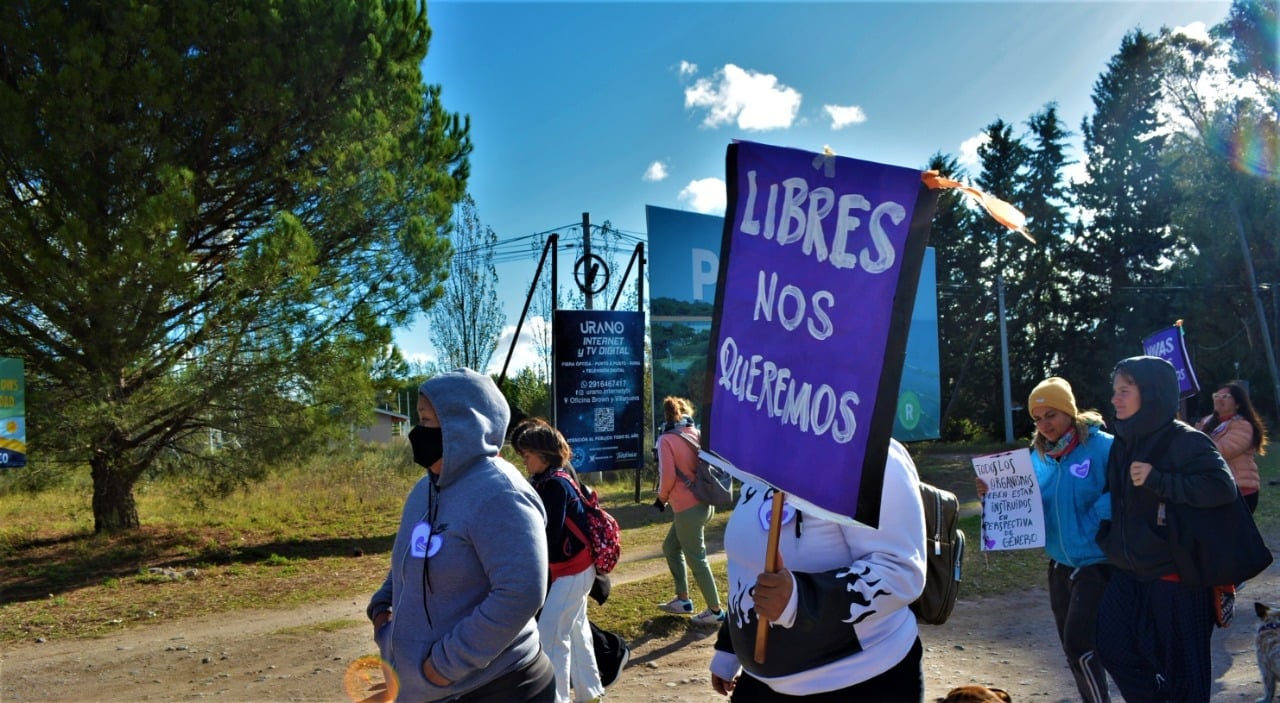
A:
469, 565
1074, 491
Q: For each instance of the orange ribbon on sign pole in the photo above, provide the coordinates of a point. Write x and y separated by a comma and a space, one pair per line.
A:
1002, 212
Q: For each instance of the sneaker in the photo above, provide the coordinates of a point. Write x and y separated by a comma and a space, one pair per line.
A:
622, 664
677, 606
709, 617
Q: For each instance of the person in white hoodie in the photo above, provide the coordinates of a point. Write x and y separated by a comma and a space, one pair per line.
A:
840, 622
454, 618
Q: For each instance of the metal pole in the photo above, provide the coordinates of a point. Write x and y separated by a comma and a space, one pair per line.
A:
1004, 361
550, 246
555, 305
586, 257
640, 308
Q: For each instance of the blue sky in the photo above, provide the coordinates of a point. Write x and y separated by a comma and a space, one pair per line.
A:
605, 107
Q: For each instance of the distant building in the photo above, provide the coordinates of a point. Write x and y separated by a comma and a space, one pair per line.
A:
387, 424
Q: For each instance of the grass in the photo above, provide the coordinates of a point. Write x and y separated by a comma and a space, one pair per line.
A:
324, 531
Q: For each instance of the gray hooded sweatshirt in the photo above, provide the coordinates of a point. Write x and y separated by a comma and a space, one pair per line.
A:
469, 605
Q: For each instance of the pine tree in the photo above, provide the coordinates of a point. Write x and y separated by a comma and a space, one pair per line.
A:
1003, 157
964, 302
214, 215
1047, 282
1127, 201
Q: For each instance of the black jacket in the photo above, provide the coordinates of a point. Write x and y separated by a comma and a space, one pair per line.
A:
1187, 469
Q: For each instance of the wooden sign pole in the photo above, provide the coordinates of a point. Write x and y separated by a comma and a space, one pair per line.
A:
770, 566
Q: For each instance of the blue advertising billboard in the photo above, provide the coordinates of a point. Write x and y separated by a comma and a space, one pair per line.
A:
599, 378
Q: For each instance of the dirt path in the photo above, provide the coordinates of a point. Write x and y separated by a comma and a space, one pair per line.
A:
302, 654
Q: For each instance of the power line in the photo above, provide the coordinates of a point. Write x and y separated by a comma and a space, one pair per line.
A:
526, 247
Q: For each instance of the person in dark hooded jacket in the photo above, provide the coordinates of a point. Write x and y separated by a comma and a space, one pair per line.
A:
1153, 631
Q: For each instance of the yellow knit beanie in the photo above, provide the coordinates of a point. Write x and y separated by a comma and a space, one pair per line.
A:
1053, 393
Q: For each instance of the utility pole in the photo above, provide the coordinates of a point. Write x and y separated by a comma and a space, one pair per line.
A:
1257, 301
588, 270
1004, 361
1004, 341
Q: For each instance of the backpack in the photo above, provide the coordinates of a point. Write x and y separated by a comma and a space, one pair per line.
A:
603, 537
710, 484
944, 555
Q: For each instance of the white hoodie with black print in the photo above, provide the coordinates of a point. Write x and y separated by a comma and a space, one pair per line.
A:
849, 618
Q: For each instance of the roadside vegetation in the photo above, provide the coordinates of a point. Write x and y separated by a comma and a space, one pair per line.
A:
323, 530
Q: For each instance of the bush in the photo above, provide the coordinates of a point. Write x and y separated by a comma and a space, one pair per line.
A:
963, 429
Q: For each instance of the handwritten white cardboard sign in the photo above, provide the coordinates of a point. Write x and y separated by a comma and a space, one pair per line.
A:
1012, 511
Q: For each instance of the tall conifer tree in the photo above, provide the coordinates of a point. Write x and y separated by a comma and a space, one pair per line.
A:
213, 215
1127, 201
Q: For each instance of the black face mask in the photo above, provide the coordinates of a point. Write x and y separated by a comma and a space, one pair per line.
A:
428, 445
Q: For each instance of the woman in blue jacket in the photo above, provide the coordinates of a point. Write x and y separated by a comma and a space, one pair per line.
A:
1069, 453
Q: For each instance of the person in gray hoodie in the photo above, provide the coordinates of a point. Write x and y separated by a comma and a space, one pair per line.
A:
454, 618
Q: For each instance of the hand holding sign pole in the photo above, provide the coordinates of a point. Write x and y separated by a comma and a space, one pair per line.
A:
770, 566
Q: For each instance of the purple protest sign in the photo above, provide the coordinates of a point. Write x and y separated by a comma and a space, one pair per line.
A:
819, 264
1168, 344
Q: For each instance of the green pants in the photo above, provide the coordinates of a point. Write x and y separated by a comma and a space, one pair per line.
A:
685, 541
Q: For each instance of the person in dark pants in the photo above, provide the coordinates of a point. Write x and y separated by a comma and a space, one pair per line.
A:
1153, 630
1069, 455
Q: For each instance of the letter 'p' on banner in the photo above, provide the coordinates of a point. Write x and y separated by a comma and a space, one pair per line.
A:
819, 264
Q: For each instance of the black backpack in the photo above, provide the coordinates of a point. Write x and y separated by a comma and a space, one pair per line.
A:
944, 557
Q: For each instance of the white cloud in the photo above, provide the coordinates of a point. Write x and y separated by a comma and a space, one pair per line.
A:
418, 359
688, 69
754, 101
707, 196
526, 353
844, 115
1196, 30
657, 171
969, 149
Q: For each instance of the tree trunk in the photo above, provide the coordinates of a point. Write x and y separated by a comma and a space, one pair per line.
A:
114, 509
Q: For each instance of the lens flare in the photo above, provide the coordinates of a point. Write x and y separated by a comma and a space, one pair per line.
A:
1251, 144
370, 680
1255, 150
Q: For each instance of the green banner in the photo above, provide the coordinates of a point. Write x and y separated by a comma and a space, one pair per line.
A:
13, 425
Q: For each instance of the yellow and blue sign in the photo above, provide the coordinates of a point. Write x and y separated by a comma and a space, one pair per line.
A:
13, 424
